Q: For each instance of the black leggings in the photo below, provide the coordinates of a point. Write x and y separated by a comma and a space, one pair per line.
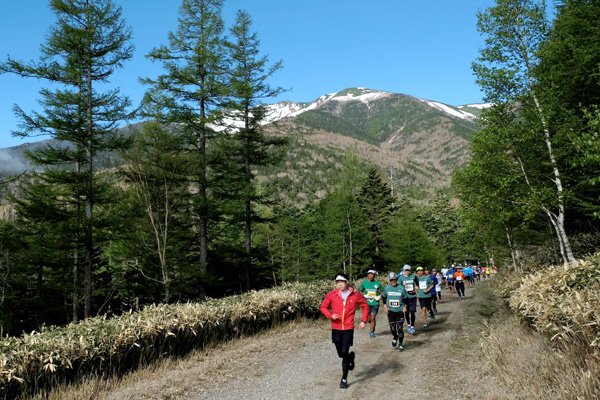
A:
434, 302
343, 340
396, 320
460, 287
410, 317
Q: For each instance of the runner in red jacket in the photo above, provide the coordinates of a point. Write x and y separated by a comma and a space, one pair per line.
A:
343, 302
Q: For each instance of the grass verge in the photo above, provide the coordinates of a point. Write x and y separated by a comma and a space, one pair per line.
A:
517, 362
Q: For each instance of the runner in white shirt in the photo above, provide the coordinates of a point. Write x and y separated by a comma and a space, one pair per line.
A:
438, 287
445, 276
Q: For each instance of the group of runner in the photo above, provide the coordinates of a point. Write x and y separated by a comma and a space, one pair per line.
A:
400, 298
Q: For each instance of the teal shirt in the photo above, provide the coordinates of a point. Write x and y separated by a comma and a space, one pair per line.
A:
424, 282
409, 282
370, 290
394, 297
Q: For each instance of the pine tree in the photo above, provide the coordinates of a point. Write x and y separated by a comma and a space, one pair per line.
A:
86, 46
194, 88
376, 200
249, 74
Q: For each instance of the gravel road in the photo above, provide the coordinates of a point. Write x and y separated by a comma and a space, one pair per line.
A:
298, 361
312, 369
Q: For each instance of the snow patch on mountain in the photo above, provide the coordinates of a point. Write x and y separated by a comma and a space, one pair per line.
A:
449, 110
479, 106
365, 97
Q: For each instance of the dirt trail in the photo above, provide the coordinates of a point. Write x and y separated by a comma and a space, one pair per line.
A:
298, 361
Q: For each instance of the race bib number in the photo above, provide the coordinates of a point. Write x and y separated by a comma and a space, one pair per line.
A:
371, 292
459, 278
394, 303
410, 287
422, 285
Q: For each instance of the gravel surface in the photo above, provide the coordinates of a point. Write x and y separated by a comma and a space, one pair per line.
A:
298, 361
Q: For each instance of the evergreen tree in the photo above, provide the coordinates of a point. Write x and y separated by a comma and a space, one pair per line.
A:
252, 147
86, 46
376, 201
194, 89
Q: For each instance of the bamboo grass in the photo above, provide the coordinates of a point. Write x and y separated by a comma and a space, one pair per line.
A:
103, 347
562, 302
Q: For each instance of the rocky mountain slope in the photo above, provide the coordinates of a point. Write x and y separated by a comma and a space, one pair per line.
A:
417, 142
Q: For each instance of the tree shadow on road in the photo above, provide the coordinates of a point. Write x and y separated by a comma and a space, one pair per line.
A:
377, 369
413, 344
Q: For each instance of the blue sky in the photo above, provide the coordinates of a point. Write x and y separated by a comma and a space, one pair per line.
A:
421, 48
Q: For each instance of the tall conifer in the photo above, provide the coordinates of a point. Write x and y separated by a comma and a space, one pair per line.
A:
194, 89
249, 87
88, 43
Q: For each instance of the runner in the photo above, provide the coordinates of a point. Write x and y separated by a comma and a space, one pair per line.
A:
343, 301
433, 307
409, 281
467, 273
394, 299
450, 275
445, 276
438, 287
477, 273
372, 290
425, 284
459, 277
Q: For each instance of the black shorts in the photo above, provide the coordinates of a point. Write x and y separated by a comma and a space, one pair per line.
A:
468, 277
343, 339
373, 309
425, 302
411, 304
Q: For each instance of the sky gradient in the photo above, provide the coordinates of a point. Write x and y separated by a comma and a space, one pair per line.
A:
420, 48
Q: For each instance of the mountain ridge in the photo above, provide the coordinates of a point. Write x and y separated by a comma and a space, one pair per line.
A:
420, 142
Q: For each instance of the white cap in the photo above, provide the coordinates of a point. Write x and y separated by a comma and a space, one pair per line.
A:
406, 267
372, 271
392, 276
341, 278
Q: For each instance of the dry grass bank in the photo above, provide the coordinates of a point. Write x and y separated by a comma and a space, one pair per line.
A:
217, 365
539, 334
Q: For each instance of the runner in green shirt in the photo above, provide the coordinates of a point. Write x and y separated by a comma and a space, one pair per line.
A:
409, 281
424, 284
372, 290
394, 298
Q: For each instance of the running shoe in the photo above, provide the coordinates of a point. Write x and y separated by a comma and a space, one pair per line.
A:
433, 318
372, 334
400, 348
344, 384
394, 343
425, 325
435, 311
429, 314
412, 330
351, 360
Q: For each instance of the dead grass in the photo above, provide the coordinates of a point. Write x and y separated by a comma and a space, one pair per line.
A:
214, 366
521, 363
